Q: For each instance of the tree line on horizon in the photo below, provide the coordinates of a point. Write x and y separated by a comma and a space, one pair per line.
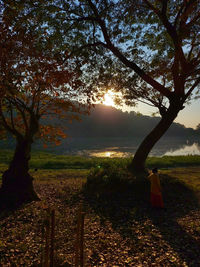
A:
108, 122
105, 121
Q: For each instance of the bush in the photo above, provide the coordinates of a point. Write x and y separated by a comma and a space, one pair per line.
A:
109, 179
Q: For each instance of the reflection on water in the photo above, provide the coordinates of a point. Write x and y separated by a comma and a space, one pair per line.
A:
162, 149
125, 147
193, 149
122, 147
110, 154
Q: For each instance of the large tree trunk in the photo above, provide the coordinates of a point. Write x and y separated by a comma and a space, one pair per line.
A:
17, 184
138, 162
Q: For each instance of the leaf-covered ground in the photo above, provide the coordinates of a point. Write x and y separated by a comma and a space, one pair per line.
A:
121, 229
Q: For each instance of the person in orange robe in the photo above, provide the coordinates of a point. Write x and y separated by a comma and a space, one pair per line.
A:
156, 195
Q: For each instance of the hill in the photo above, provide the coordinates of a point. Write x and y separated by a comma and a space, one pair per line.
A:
107, 126
106, 121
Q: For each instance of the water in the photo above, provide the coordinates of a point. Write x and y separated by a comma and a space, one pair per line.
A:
126, 147
119, 147
193, 149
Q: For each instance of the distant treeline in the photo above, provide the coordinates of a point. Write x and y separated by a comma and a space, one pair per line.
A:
109, 122
105, 121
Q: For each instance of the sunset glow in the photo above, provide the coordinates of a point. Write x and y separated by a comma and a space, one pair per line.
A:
184, 117
108, 99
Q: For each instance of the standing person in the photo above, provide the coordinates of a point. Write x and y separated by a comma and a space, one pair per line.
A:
156, 195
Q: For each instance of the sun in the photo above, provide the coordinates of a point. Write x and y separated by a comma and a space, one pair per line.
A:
108, 99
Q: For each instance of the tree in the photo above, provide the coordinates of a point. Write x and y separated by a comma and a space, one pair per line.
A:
37, 84
153, 45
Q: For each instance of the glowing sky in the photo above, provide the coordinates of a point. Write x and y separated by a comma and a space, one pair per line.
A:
189, 116
108, 99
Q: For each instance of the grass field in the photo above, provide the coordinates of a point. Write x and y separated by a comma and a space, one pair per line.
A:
43, 160
121, 229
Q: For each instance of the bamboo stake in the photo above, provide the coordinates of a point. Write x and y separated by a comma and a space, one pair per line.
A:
82, 241
52, 238
42, 246
77, 242
46, 256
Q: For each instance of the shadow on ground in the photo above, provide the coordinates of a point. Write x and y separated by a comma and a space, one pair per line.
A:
128, 206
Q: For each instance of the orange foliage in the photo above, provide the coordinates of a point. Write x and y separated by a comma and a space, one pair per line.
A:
35, 84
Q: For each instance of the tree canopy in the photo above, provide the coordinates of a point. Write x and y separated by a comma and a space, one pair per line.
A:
158, 40
36, 81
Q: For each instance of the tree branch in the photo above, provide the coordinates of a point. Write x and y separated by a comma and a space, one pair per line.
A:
123, 59
189, 24
14, 101
192, 47
164, 6
6, 125
171, 30
83, 47
11, 118
178, 15
192, 88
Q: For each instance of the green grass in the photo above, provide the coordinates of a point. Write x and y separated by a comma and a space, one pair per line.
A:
189, 176
55, 175
173, 161
44, 160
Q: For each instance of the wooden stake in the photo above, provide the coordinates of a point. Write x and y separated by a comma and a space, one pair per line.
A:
82, 241
42, 246
52, 238
46, 256
77, 241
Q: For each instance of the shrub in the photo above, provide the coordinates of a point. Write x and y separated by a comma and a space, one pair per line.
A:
109, 179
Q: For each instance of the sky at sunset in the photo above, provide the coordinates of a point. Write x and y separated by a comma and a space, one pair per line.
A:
189, 116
